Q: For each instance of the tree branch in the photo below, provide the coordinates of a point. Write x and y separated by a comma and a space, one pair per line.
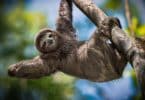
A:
123, 42
89, 8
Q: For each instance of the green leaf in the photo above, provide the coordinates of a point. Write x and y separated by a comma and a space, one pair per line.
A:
140, 31
113, 4
134, 23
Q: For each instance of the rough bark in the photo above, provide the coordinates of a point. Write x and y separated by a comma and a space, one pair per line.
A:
91, 11
129, 47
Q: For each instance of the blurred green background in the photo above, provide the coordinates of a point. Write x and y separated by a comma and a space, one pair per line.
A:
20, 20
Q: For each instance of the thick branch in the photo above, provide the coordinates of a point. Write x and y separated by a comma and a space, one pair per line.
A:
89, 8
124, 43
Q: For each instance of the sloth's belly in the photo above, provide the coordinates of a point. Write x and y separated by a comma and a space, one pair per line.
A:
97, 65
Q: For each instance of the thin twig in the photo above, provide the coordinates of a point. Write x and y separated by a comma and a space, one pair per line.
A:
128, 17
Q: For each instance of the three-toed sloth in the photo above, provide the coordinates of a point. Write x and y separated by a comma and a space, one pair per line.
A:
95, 59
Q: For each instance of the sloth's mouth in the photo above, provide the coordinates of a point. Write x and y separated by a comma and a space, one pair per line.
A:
50, 41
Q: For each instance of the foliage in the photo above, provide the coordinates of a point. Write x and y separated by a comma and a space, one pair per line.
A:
139, 29
113, 4
21, 89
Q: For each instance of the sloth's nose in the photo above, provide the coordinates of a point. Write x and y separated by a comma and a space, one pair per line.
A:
50, 41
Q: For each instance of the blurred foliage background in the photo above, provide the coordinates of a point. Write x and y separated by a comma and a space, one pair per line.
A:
20, 20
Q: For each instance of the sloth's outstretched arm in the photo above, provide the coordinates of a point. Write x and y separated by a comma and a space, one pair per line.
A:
34, 68
64, 21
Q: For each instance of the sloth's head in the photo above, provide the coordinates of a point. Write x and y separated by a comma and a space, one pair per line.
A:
47, 41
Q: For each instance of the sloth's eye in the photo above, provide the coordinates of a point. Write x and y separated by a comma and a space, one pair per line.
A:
50, 36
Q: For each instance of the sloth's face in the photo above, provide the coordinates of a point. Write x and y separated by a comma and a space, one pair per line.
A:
46, 41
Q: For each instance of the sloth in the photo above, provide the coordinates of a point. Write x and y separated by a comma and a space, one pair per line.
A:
95, 59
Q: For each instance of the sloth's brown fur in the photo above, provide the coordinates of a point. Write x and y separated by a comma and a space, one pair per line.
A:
95, 59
